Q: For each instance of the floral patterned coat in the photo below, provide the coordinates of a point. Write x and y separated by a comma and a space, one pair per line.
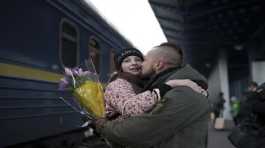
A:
121, 98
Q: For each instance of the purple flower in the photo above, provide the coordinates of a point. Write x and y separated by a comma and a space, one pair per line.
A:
85, 74
68, 71
75, 70
75, 77
63, 84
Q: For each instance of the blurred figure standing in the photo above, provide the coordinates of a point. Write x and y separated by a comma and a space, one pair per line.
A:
245, 106
250, 131
219, 105
235, 108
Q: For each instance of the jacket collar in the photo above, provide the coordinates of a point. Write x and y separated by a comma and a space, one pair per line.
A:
161, 77
134, 80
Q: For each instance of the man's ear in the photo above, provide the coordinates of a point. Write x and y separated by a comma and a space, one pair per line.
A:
159, 65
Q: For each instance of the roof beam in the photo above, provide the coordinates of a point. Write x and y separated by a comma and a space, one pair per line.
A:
164, 5
217, 9
167, 18
172, 29
196, 42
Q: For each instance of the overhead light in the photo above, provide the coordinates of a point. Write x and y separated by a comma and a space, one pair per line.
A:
207, 65
238, 47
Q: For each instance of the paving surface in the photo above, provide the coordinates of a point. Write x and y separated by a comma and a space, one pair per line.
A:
218, 138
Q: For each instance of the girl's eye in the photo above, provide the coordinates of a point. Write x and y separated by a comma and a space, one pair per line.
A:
138, 60
126, 60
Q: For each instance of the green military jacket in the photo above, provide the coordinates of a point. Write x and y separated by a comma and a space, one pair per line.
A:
180, 120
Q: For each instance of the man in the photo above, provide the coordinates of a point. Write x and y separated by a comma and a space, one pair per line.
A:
250, 132
219, 105
180, 120
246, 103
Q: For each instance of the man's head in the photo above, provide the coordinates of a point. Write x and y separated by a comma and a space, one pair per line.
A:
162, 57
252, 87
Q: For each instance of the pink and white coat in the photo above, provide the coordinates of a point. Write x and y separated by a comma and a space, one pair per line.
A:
121, 98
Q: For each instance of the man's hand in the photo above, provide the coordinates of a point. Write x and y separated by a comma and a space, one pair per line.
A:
99, 123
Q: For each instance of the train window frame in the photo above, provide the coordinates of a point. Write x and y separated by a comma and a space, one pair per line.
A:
97, 50
112, 67
63, 35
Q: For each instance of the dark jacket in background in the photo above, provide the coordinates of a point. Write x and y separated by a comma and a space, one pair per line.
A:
252, 120
179, 121
252, 105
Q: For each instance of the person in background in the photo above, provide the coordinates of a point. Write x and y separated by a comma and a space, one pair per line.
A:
179, 120
244, 102
219, 105
252, 86
252, 121
235, 107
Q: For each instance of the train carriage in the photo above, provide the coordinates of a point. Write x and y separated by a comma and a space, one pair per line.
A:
38, 39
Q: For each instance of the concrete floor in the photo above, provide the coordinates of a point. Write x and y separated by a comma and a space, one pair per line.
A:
218, 138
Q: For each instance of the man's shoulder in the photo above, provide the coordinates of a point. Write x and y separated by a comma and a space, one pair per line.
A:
187, 72
186, 95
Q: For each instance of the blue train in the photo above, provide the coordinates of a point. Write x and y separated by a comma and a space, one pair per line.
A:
38, 39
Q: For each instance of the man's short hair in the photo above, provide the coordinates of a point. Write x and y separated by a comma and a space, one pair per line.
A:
177, 60
172, 45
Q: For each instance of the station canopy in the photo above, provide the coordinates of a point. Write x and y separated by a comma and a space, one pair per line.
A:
205, 27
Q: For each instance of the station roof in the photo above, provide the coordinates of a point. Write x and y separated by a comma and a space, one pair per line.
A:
204, 27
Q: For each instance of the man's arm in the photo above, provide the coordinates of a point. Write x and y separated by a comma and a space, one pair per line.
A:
179, 110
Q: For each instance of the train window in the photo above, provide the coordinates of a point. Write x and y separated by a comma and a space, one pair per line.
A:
112, 65
94, 52
69, 44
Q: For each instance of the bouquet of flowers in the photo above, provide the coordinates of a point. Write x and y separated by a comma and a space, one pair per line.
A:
86, 89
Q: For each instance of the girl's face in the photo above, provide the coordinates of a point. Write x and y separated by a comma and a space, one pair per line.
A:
132, 65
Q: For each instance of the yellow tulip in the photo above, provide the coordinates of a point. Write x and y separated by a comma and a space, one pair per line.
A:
90, 96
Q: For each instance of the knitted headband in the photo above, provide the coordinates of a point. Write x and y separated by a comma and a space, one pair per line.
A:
125, 53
